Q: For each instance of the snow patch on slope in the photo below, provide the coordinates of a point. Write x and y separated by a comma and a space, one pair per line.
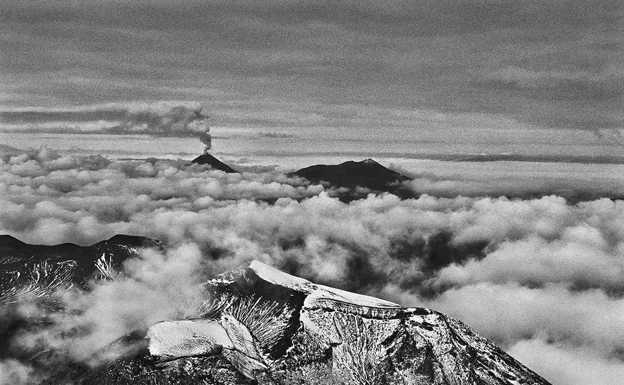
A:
172, 339
315, 292
276, 277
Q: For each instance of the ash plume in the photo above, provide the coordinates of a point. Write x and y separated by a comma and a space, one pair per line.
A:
165, 118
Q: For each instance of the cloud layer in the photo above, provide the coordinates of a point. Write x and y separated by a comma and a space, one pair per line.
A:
550, 63
541, 277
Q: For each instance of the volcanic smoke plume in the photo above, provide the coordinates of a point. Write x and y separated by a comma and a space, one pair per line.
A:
206, 139
168, 118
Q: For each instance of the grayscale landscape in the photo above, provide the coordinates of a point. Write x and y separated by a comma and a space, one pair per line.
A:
311, 192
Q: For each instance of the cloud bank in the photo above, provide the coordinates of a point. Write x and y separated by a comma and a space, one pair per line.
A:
541, 277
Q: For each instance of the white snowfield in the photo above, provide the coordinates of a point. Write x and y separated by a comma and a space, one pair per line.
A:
171, 339
315, 292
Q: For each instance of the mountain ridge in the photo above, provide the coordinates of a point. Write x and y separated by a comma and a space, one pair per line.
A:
214, 163
67, 264
259, 325
346, 337
358, 178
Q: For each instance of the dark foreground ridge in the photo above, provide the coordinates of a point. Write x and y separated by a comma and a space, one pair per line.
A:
41, 269
367, 174
214, 163
259, 325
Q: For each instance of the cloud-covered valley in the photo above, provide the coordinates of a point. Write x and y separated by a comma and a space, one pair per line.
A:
542, 277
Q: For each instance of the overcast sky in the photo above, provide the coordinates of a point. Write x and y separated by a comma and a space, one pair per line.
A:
269, 63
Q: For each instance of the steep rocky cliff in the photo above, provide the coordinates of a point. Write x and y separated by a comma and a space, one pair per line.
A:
267, 327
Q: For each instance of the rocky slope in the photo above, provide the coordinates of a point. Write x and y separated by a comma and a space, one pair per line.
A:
267, 327
41, 269
257, 326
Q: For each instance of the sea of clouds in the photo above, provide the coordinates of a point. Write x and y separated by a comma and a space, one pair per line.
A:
543, 277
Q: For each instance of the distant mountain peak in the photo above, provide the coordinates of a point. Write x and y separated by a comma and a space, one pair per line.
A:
366, 174
214, 163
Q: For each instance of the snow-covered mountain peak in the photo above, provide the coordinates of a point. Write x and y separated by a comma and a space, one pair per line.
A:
259, 325
274, 328
315, 292
278, 277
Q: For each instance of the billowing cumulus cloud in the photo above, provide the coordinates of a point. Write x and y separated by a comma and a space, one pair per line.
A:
87, 326
13, 372
569, 364
155, 287
542, 277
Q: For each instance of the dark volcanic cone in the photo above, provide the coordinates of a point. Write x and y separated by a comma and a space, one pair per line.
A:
367, 174
214, 163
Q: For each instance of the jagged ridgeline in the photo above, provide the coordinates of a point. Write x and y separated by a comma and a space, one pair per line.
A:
39, 270
257, 326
